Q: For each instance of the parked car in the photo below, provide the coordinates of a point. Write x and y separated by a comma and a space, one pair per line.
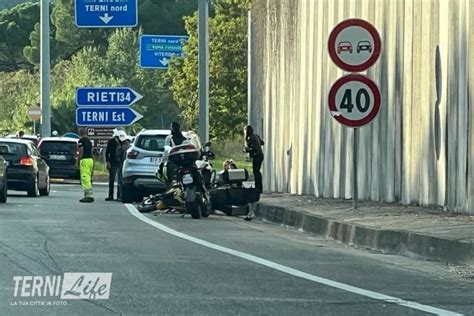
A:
35, 139
143, 159
3, 175
26, 170
61, 154
344, 47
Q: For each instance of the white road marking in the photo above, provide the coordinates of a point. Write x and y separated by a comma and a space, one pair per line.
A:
270, 264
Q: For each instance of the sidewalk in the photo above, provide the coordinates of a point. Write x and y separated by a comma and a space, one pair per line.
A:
427, 233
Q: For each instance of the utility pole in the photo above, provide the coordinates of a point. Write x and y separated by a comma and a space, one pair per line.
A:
45, 65
249, 69
204, 70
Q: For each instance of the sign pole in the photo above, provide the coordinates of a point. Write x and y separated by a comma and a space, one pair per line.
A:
204, 70
355, 192
45, 70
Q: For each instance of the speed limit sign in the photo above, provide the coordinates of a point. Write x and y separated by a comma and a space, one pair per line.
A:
354, 100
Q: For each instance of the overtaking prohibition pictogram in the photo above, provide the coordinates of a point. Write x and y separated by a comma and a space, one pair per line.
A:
354, 45
354, 100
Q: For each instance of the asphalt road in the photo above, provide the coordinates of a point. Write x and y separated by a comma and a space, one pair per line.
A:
162, 264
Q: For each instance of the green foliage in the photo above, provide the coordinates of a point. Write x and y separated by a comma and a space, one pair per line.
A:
7, 4
15, 27
109, 57
18, 91
117, 67
228, 71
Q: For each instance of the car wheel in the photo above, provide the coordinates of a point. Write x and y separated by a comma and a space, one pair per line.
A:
33, 190
45, 191
3, 194
127, 194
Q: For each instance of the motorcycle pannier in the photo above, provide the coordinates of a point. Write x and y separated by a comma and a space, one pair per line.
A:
241, 196
184, 155
232, 176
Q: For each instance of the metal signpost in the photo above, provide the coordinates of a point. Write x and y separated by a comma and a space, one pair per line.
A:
34, 113
157, 50
204, 70
99, 14
354, 100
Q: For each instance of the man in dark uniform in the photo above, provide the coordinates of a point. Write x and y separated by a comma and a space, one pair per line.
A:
86, 166
113, 163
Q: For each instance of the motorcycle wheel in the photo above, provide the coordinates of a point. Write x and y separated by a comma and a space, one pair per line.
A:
205, 212
194, 209
147, 206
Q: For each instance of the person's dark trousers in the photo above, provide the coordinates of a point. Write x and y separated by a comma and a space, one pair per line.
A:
114, 168
256, 165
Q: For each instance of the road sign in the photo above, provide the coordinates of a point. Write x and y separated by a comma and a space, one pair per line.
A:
100, 136
106, 13
120, 116
354, 100
101, 97
34, 113
354, 45
157, 50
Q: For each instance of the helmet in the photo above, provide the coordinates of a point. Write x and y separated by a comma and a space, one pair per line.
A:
55, 133
121, 135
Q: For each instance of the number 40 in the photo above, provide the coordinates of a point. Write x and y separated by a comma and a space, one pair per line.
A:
347, 103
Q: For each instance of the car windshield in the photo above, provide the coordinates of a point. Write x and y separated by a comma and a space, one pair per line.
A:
58, 147
151, 142
14, 149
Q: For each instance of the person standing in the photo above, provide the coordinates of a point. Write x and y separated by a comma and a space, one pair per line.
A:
176, 138
253, 145
125, 144
86, 166
112, 154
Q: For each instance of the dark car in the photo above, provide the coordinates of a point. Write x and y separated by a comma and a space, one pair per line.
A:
26, 170
364, 46
3, 175
61, 154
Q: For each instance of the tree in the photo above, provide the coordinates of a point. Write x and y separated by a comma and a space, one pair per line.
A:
228, 74
16, 25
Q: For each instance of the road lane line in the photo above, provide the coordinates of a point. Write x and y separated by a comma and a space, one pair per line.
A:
270, 264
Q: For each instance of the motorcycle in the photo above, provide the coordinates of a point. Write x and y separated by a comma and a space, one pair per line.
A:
195, 175
188, 168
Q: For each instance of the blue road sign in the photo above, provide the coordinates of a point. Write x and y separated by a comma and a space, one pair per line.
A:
96, 96
157, 50
120, 116
108, 13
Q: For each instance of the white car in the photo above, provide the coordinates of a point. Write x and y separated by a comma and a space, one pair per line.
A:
139, 169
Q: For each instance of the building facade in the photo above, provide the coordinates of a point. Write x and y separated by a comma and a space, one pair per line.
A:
420, 148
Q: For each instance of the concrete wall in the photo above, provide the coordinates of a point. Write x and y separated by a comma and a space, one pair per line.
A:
417, 151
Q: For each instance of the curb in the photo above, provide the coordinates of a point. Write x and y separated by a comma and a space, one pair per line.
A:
386, 241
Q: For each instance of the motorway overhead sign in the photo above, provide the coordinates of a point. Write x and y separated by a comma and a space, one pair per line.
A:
100, 97
354, 45
354, 100
106, 13
120, 116
157, 50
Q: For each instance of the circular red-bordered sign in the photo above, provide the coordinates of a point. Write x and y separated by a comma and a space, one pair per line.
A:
354, 100
354, 45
